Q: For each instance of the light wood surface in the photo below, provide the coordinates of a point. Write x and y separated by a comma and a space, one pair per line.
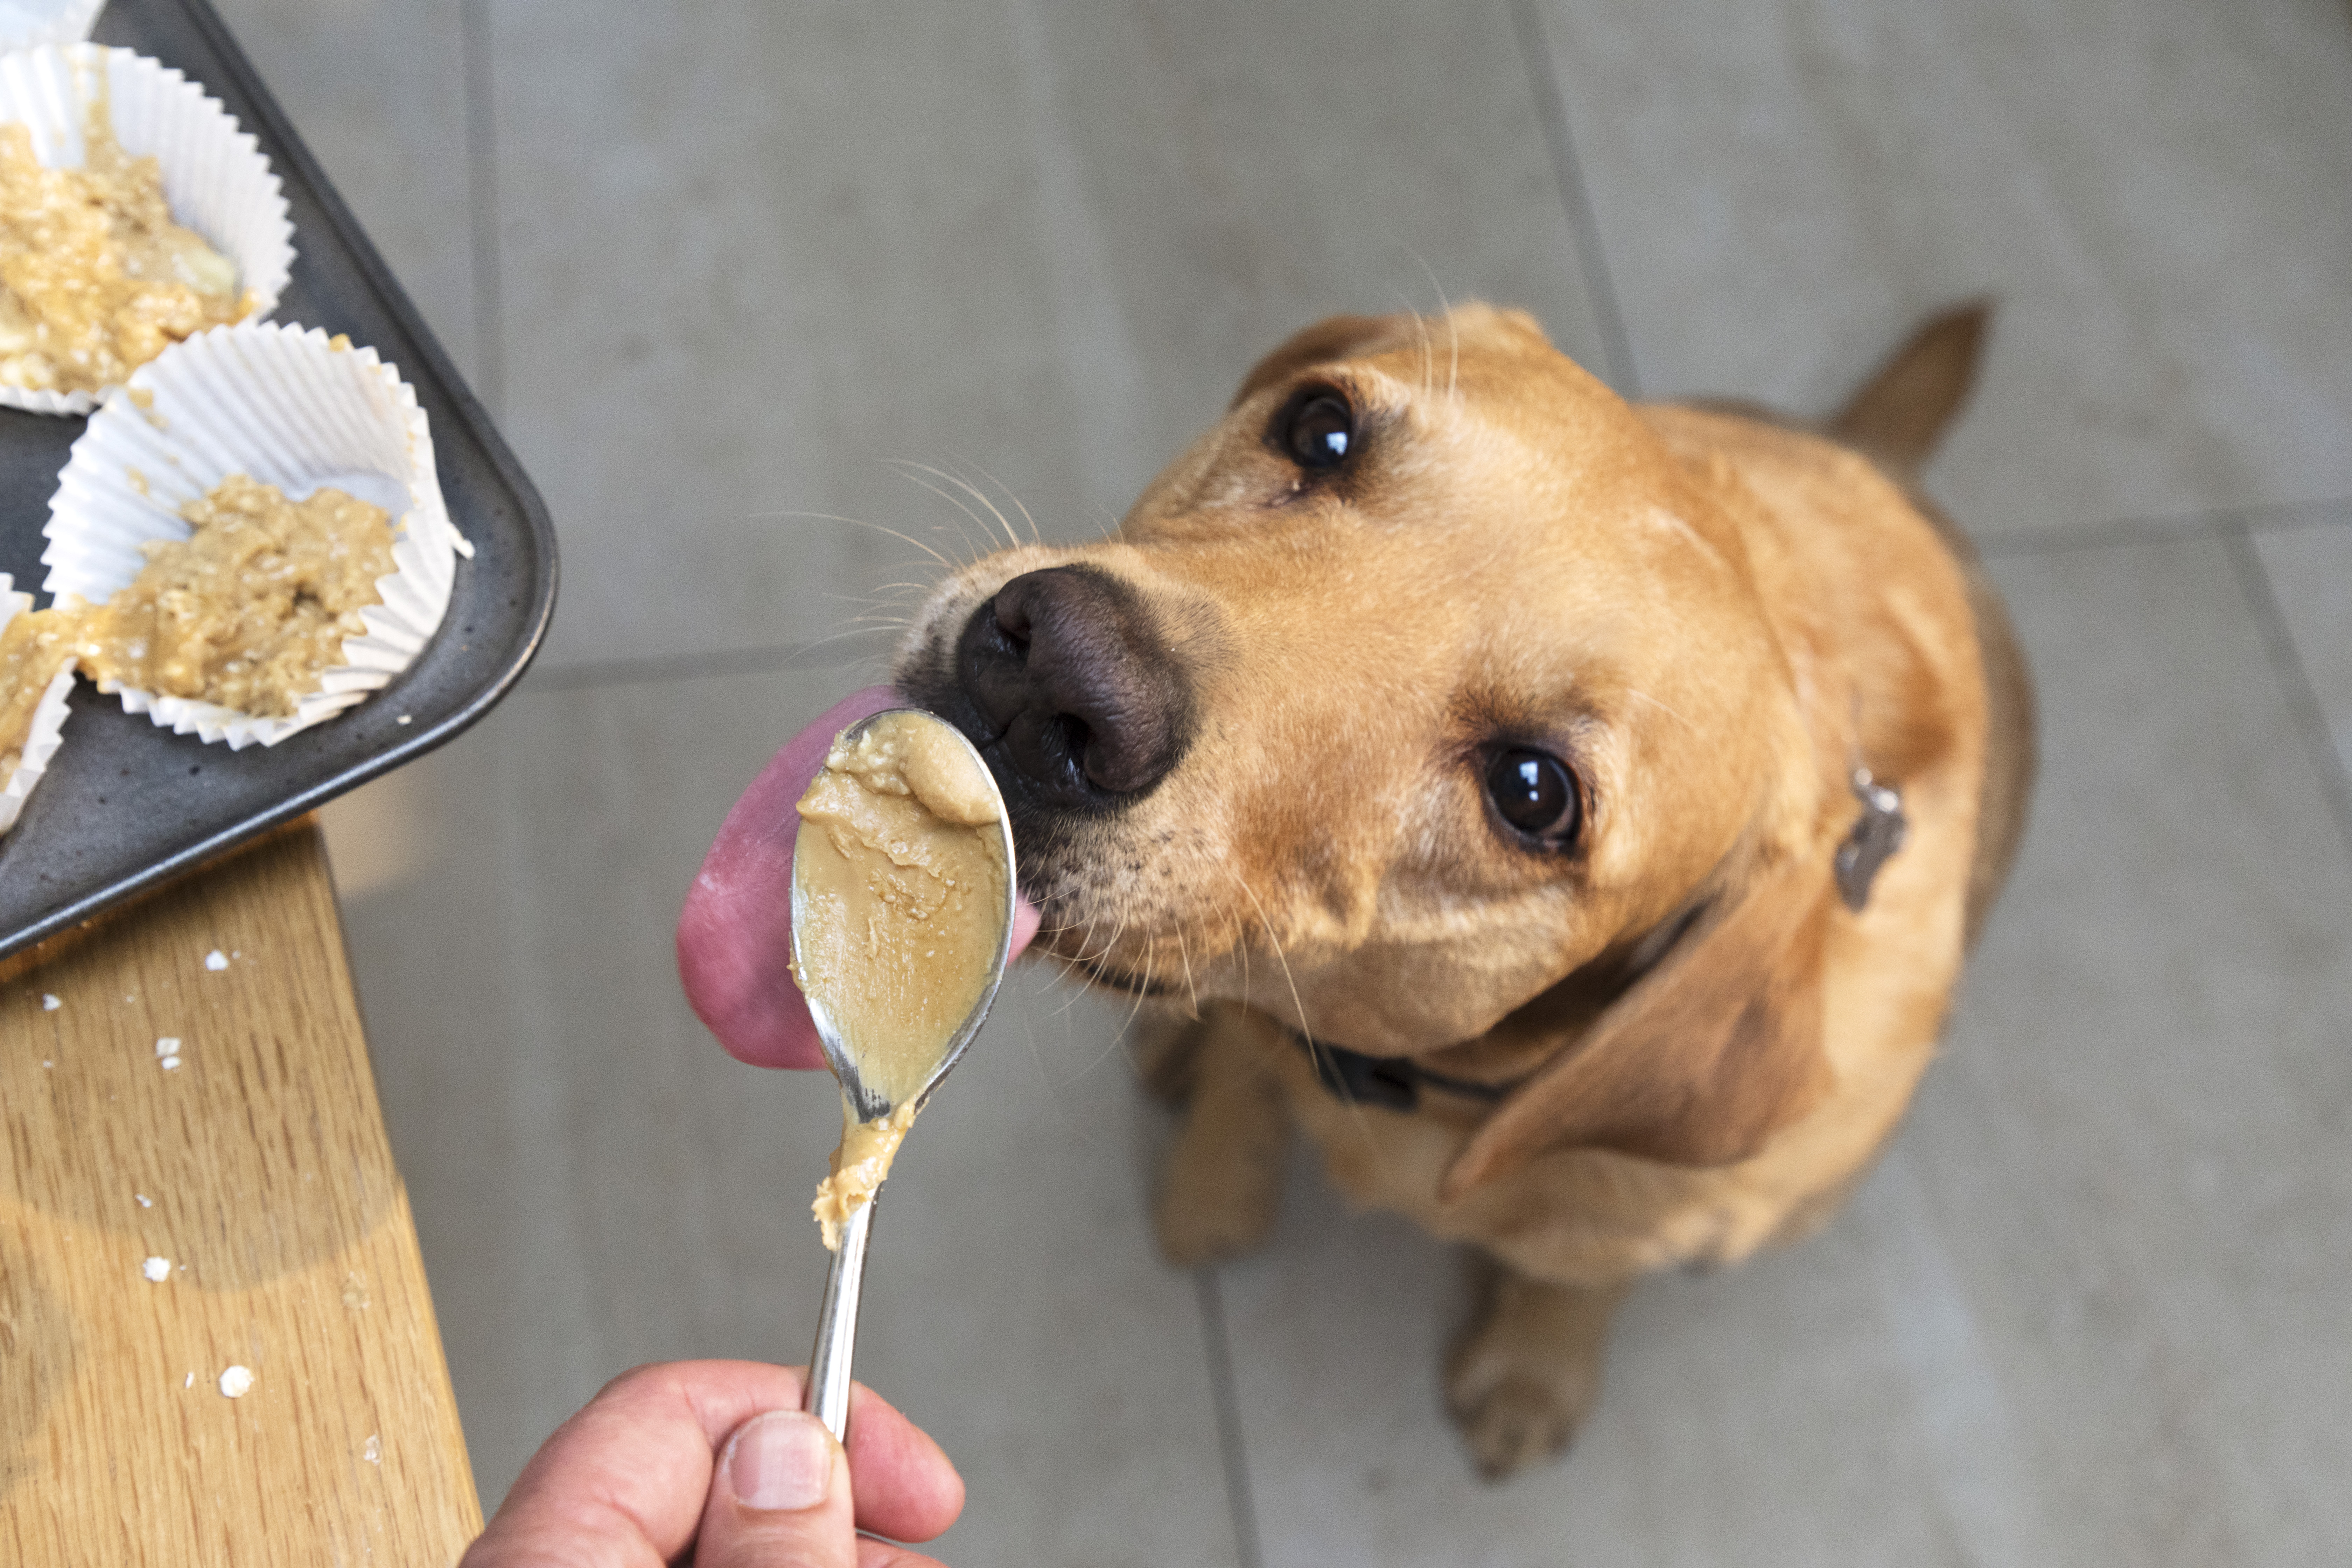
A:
258, 1169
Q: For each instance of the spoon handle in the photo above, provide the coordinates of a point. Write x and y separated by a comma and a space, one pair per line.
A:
828, 1396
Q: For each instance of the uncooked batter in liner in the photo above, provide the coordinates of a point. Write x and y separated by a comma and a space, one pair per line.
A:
34, 647
247, 611
99, 279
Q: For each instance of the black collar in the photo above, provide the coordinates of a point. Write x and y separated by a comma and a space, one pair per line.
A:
1392, 1083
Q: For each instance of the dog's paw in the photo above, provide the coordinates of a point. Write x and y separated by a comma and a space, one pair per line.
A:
1167, 1055
1514, 1423
1191, 1237
1218, 1193
1520, 1384
1221, 1181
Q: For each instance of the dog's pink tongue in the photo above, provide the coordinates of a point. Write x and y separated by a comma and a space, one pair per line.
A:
735, 933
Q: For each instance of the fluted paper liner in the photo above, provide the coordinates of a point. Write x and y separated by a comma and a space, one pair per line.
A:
290, 409
25, 24
47, 733
214, 175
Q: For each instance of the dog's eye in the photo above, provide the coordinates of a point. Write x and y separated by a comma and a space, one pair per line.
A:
1320, 431
1535, 794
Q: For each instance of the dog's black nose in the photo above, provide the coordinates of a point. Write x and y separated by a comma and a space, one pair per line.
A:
1070, 675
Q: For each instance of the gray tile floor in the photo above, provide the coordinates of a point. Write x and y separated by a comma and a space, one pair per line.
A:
719, 266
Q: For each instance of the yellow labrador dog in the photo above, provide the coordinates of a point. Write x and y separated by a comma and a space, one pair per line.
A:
1573, 815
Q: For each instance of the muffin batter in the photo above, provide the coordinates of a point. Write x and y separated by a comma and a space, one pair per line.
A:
99, 278
248, 609
901, 869
34, 647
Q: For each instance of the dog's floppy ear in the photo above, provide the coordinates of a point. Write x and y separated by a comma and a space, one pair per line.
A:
1702, 1059
1334, 338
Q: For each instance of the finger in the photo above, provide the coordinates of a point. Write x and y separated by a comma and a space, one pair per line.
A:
907, 1487
620, 1483
883, 1554
780, 1496
624, 1482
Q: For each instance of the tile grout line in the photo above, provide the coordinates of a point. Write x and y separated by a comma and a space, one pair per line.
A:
2310, 715
1239, 1497
1568, 174
662, 669
482, 203
2260, 516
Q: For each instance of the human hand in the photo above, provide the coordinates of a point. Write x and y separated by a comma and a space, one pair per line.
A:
717, 1454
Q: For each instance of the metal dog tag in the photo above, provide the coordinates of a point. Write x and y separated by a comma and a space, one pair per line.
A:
1877, 833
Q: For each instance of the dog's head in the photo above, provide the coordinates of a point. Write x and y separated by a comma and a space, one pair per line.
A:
1425, 698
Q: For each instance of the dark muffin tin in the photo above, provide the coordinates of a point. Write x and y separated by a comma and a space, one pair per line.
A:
126, 805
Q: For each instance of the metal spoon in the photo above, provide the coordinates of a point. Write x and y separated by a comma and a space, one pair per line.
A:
827, 1396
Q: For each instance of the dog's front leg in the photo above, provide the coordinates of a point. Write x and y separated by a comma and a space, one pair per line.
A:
1520, 1381
1222, 1178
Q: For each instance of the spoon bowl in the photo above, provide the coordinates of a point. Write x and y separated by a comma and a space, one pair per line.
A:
870, 1104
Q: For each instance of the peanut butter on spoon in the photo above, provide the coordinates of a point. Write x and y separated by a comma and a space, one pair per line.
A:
902, 924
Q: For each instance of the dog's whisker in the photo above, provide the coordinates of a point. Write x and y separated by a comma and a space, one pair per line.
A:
1078, 1130
907, 468
1420, 335
1661, 707
915, 471
1306, 1031
1184, 950
1074, 968
1036, 535
812, 646
1070, 1123
1142, 991
1037, 1055
1454, 328
1085, 940
956, 478
1274, 940
1240, 946
853, 523
1118, 1035
1117, 931
966, 554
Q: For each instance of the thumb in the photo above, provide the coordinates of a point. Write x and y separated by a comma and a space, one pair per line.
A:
780, 1498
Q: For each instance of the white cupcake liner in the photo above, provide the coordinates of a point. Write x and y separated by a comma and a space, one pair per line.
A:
214, 175
27, 24
290, 409
47, 733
